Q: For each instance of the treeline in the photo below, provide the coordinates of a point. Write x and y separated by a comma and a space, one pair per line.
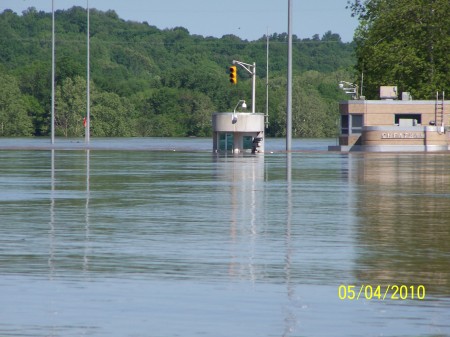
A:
404, 43
151, 82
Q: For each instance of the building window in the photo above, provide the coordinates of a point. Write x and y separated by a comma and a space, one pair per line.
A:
357, 123
344, 124
351, 124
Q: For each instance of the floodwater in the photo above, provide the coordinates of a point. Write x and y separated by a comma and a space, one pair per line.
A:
169, 239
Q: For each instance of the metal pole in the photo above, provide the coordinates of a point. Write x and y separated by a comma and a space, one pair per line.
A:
52, 127
254, 88
289, 82
267, 81
362, 83
88, 78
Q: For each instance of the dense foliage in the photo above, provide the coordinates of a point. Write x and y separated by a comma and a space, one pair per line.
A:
404, 43
151, 82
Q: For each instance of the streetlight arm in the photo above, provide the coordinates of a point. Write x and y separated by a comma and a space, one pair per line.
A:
234, 117
246, 66
251, 68
243, 105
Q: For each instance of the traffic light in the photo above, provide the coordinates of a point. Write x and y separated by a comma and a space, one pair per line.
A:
233, 75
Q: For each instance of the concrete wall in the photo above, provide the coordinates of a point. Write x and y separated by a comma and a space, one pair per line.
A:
383, 112
419, 135
246, 122
350, 140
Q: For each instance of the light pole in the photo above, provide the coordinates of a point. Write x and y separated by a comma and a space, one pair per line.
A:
251, 68
52, 127
289, 82
88, 78
267, 80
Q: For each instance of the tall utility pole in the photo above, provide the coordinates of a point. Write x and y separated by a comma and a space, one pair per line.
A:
289, 82
88, 78
52, 128
267, 80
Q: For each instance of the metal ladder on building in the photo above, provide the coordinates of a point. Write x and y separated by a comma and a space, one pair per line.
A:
439, 111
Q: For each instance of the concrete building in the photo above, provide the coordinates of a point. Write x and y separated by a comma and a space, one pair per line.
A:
238, 132
390, 124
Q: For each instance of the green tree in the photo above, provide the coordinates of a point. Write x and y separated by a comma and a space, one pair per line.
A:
39, 117
112, 116
196, 109
14, 120
70, 107
35, 84
404, 43
315, 99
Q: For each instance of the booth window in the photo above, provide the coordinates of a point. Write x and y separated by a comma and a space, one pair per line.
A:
226, 141
248, 142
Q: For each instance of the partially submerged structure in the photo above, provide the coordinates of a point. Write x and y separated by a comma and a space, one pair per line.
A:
390, 124
238, 132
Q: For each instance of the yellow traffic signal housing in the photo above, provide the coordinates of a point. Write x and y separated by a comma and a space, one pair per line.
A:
233, 74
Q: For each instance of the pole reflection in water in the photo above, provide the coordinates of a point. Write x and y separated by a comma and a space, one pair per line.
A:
64, 226
291, 318
52, 216
250, 204
246, 176
87, 228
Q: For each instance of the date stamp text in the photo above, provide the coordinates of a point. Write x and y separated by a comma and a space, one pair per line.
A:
379, 292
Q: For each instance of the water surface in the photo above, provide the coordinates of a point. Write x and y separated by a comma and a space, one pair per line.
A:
156, 242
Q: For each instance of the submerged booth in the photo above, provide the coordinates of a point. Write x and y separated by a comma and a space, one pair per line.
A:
238, 132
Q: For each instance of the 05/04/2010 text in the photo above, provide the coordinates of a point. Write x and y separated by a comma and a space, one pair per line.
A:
378, 292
